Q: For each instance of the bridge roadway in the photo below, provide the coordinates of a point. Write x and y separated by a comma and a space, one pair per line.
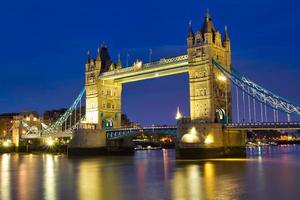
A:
113, 133
52, 135
163, 67
124, 132
171, 130
253, 126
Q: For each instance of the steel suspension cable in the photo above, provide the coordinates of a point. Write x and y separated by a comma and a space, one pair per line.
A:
261, 112
237, 101
244, 107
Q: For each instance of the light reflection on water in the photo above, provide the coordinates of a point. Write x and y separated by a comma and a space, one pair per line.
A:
5, 177
49, 177
268, 173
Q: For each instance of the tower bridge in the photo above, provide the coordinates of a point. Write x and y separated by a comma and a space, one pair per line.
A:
210, 130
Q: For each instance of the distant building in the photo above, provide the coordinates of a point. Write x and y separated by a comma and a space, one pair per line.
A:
51, 116
6, 122
31, 122
126, 123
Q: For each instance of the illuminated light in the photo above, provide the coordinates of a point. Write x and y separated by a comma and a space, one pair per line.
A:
27, 118
50, 142
193, 131
222, 78
35, 119
189, 138
178, 114
7, 143
209, 139
137, 64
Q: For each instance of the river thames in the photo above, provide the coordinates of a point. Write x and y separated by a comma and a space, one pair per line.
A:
267, 173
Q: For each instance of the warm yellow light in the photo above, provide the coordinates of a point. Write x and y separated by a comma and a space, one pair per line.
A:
178, 114
190, 138
35, 119
6, 143
209, 139
193, 131
50, 142
222, 78
27, 118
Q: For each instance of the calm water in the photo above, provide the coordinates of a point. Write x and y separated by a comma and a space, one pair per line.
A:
268, 173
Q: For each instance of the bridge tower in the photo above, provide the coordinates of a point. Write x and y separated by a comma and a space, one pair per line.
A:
210, 92
103, 98
202, 134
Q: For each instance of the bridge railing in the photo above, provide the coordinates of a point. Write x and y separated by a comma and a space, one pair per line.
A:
124, 132
147, 65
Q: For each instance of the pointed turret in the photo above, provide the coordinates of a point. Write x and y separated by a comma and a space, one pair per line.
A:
190, 38
226, 36
88, 57
98, 54
226, 40
103, 59
208, 26
119, 63
190, 31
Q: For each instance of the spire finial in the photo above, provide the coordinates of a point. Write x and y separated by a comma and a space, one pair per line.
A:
190, 31
226, 36
88, 56
207, 13
119, 64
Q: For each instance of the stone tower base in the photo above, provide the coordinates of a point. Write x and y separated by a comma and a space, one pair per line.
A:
209, 140
203, 153
87, 142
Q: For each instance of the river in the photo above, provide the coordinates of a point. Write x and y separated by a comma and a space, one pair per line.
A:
267, 173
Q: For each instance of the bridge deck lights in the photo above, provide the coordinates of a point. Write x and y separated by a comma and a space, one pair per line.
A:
7, 143
191, 137
50, 142
209, 139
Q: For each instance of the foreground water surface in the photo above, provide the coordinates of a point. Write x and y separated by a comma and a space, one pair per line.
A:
267, 173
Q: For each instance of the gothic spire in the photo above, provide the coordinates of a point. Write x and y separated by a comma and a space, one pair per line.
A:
208, 26
226, 36
190, 31
119, 63
98, 54
88, 58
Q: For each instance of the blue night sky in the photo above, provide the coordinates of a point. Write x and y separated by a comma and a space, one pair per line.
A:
43, 47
